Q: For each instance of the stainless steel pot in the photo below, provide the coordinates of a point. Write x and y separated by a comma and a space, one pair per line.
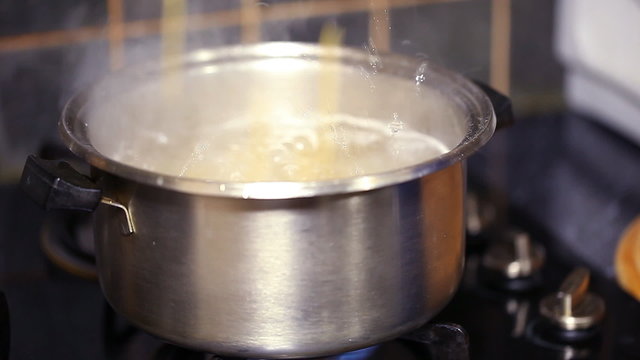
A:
273, 269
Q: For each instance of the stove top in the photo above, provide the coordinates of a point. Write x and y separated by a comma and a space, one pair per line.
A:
568, 187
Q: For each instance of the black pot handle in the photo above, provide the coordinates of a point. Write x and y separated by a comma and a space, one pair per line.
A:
501, 105
55, 185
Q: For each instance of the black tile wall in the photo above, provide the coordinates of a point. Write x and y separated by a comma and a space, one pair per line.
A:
35, 86
152, 9
149, 48
271, 2
213, 37
142, 9
536, 75
144, 49
356, 28
28, 16
455, 35
201, 6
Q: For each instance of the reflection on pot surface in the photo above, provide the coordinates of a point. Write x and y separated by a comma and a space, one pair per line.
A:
360, 244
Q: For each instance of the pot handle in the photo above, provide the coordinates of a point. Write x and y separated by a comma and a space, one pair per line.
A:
55, 185
501, 105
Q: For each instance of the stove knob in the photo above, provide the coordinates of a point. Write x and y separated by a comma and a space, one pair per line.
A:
481, 215
513, 261
573, 307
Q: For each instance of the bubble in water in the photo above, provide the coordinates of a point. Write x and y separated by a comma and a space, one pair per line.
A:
280, 155
396, 125
162, 138
326, 147
339, 136
306, 113
374, 59
357, 169
302, 144
421, 75
375, 62
290, 171
201, 147
196, 156
367, 76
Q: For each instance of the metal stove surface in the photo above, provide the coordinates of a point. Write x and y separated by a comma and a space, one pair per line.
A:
570, 185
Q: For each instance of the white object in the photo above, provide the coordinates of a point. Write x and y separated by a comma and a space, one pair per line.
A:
599, 43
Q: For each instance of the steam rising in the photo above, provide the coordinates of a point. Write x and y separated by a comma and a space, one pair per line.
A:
267, 120
380, 123
84, 63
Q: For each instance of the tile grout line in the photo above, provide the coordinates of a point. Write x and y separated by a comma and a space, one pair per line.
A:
50, 39
379, 25
500, 48
115, 31
499, 78
226, 18
250, 19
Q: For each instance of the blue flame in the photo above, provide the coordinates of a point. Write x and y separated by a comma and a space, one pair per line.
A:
361, 354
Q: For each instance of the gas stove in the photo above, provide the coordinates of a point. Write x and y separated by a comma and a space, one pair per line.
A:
544, 220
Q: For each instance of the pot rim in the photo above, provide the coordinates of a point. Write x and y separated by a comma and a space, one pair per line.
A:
481, 123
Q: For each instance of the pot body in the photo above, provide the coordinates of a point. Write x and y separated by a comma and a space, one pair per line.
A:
282, 278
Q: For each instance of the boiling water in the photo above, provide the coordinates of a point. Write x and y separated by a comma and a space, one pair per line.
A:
262, 121
289, 151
